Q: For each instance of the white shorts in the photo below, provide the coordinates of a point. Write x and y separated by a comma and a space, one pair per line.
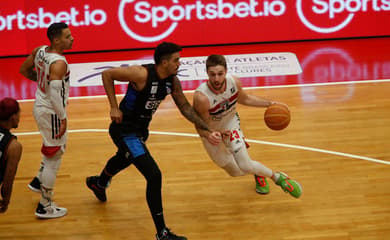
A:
49, 126
225, 152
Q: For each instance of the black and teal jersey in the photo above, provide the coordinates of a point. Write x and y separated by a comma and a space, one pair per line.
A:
138, 107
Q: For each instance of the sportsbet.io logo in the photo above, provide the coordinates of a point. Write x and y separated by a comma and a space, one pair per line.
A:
337, 13
161, 19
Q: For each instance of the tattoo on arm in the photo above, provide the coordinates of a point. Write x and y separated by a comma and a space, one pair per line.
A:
188, 111
185, 107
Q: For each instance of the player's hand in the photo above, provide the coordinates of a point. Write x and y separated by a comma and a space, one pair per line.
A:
63, 126
226, 134
281, 104
3, 206
116, 115
214, 138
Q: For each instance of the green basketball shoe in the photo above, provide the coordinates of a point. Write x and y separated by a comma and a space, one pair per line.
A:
289, 185
262, 186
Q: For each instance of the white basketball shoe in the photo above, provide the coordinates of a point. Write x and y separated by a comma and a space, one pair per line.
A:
50, 211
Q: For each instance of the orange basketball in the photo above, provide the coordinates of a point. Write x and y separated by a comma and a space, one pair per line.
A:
277, 116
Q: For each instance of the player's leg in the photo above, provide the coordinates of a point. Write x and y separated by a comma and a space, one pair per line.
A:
246, 164
223, 158
121, 160
52, 150
46, 207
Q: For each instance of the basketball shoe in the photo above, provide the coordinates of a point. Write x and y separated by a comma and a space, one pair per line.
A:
166, 234
289, 185
35, 185
50, 211
262, 185
99, 191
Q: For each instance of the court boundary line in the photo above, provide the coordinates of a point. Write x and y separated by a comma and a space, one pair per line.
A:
248, 140
249, 88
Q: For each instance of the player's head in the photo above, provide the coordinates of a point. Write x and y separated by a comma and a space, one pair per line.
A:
9, 112
59, 34
164, 51
214, 60
216, 68
168, 55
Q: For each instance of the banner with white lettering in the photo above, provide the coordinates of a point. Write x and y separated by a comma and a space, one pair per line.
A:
132, 24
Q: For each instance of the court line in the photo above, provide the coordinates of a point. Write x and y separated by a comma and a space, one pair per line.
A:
249, 88
248, 140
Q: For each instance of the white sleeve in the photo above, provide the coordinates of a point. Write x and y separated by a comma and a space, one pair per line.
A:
55, 94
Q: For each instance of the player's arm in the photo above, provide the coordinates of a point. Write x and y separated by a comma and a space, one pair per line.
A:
201, 106
136, 75
185, 107
248, 99
27, 67
14, 153
58, 70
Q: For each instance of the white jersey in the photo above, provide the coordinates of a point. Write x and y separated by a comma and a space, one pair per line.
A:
222, 105
43, 60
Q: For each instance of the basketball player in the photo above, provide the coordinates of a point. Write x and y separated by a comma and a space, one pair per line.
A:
10, 149
52, 76
215, 101
148, 86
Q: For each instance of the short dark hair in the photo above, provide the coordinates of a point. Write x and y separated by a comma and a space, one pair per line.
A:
55, 30
8, 107
165, 50
214, 60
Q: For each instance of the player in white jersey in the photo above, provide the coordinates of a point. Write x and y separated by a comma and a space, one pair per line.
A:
215, 101
48, 67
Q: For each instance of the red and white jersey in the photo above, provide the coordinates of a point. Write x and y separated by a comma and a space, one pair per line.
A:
222, 105
43, 60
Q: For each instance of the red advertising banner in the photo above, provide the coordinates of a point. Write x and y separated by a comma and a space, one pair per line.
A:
131, 24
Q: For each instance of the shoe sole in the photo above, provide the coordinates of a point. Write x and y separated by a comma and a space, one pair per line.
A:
44, 216
262, 193
34, 189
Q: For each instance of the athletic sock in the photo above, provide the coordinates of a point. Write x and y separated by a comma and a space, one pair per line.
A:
275, 177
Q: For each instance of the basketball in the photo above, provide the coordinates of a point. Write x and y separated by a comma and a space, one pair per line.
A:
277, 116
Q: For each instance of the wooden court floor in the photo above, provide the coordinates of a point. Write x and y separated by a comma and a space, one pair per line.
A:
346, 197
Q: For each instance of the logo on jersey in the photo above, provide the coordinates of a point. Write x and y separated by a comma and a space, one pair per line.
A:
152, 104
154, 90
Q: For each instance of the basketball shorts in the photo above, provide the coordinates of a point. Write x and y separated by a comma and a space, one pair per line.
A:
49, 126
225, 152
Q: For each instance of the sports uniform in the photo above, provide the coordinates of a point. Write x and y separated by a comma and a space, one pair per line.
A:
232, 154
130, 136
47, 120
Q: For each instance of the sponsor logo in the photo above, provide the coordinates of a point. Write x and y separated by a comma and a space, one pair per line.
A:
42, 18
339, 13
155, 17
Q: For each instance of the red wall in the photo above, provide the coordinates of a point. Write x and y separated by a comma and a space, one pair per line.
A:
128, 24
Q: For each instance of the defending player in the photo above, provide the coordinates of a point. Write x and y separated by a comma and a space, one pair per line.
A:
10, 149
215, 101
48, 67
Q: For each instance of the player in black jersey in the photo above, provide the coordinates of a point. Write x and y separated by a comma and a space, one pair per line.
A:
148, 86
10, 149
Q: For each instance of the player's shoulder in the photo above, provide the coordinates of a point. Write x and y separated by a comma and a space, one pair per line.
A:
15, 145
35, 50
201, 97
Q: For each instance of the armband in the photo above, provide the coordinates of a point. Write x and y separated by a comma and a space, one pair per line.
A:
56, 98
